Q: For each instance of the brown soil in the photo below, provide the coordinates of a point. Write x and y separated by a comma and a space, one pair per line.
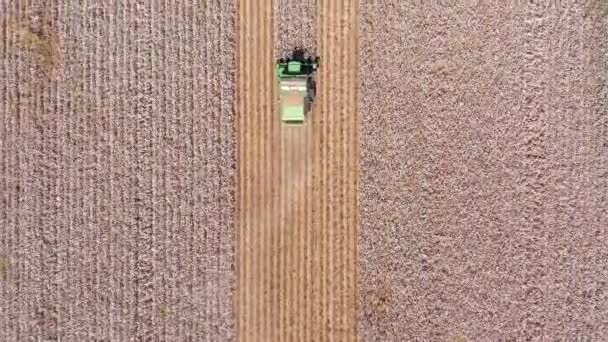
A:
116, 171
484, 171
297, 209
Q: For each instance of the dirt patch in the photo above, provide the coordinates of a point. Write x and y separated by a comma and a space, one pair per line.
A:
31, 32
5, 268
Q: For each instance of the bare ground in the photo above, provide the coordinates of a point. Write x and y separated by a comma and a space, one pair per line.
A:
484, 171
116, 174
297, 209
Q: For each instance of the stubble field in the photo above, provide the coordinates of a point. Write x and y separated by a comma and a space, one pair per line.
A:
484, 171
297, 209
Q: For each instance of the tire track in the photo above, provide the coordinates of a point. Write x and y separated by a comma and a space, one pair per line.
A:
533, 177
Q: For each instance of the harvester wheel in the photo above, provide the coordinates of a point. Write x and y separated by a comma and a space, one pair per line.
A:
311, 88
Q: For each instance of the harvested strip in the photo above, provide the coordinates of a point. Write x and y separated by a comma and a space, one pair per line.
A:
296, 245
117, 149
